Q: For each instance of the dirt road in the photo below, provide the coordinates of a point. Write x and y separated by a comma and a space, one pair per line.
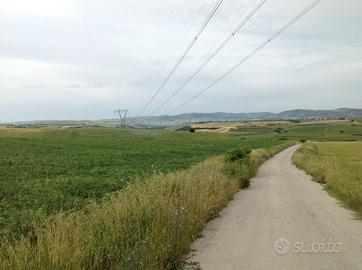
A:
282, 221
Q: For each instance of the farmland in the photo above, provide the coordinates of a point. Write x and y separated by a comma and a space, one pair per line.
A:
58, 178
47, 170
319, 130
43, 171
147, 225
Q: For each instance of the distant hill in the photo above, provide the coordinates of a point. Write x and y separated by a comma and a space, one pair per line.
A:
173, 120
337, 113
180, 119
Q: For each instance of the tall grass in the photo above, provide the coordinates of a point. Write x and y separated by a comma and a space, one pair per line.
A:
338, 165
147, 225
242, 163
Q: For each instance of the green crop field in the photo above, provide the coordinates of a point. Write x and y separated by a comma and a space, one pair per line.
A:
326, 132
318, 131
43, 171
47, 170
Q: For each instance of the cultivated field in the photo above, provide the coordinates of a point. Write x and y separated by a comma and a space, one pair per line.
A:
321, 130
146, 187
43, 171
148, 224
338, 165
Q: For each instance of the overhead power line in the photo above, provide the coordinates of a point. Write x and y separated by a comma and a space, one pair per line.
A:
185, 34
260, 47
218, 49
241, 10
194, 39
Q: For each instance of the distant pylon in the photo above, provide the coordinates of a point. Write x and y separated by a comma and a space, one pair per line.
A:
122, 116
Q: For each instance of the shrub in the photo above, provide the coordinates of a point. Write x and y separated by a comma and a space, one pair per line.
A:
239, 165
294, 121
279, 130
242, 164
240, 153
192, 130
302, 140
184, 128
242, 171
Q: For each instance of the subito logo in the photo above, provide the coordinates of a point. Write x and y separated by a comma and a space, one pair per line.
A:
282, 246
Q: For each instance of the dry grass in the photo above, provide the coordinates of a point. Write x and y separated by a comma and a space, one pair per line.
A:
147, 225
338, 165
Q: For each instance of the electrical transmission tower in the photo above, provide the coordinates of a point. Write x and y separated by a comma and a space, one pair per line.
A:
122, 116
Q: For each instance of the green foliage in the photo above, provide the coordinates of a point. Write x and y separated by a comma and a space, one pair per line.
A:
324, 131
238, 154
296, 121
242, 170
279, 130
44, 171
242, 163
238, 165
147, 225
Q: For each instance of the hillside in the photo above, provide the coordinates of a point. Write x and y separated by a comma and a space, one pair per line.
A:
180, 119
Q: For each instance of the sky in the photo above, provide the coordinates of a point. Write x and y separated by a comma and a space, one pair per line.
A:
83, 59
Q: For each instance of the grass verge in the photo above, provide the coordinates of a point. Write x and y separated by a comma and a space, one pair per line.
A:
147, 225
338, 165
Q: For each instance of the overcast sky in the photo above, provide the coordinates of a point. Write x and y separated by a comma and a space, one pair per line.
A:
83, 59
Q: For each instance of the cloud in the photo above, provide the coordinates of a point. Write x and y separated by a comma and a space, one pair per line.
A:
82, 59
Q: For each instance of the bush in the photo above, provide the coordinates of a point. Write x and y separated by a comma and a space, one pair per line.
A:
242, 171
192, 130
279, 130
294, 121
239, 165
242, 164
240, 153
302, 140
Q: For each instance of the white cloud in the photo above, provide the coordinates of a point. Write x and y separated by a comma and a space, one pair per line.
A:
82, 59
